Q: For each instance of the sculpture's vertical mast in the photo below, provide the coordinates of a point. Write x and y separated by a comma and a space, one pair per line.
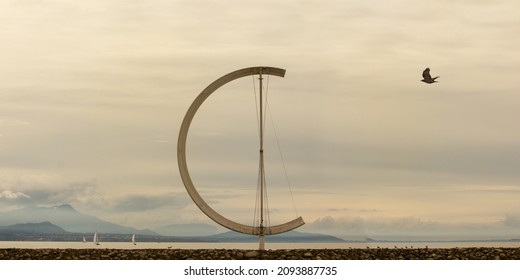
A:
261, 234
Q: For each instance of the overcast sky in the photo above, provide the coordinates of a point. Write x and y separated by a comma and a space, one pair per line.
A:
92, 95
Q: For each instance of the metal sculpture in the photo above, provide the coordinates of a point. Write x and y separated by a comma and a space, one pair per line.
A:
261, 230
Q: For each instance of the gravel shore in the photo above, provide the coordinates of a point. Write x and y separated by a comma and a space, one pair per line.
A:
293, 254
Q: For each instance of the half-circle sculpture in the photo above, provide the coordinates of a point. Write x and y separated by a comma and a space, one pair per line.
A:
183, 167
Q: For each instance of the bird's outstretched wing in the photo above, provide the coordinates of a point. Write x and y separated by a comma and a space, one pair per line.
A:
426, 74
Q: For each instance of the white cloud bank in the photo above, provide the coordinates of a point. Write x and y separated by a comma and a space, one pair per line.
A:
414, 228
10, 195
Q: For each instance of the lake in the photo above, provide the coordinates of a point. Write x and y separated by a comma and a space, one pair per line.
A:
251, 246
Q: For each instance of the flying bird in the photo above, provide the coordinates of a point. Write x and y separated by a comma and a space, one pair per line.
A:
427, 78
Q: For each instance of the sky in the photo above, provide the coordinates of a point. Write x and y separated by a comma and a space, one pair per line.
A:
92, 95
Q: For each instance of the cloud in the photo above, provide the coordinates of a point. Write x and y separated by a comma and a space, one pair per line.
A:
353, 210
35, 189
10, 195
140, 203
413, 227
512, 221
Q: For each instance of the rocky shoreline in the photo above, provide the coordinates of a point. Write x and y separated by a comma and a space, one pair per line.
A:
482, 253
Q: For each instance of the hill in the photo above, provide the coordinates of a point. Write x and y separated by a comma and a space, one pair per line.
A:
192, 229
66, 217
44, 228
64, 223
287, 237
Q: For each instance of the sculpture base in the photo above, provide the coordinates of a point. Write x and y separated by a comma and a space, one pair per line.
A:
261, 242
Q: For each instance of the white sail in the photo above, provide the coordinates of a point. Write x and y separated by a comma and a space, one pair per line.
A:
133, 238
84, 239
96, 238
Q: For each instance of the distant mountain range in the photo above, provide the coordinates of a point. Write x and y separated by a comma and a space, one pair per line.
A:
288, 237
193, 229
66, 217
38, 228
46, 231
64, 223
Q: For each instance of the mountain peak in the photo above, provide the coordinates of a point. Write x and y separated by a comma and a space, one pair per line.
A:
65, 216
43, 227
64, 207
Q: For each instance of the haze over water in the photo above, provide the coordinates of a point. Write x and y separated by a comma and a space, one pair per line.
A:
253, 246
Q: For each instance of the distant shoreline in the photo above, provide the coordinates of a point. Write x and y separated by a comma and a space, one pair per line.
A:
480, 253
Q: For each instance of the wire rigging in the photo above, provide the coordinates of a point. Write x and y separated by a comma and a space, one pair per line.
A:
263, 123
283, 161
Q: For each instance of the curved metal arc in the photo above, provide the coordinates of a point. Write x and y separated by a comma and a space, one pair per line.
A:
183, 166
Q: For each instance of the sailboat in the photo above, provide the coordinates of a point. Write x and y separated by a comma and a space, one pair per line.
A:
96, 238
84, 239
133, 239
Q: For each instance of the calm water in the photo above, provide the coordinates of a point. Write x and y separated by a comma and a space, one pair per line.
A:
250, 246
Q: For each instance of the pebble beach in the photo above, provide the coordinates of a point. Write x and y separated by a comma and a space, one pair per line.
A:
484, 253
